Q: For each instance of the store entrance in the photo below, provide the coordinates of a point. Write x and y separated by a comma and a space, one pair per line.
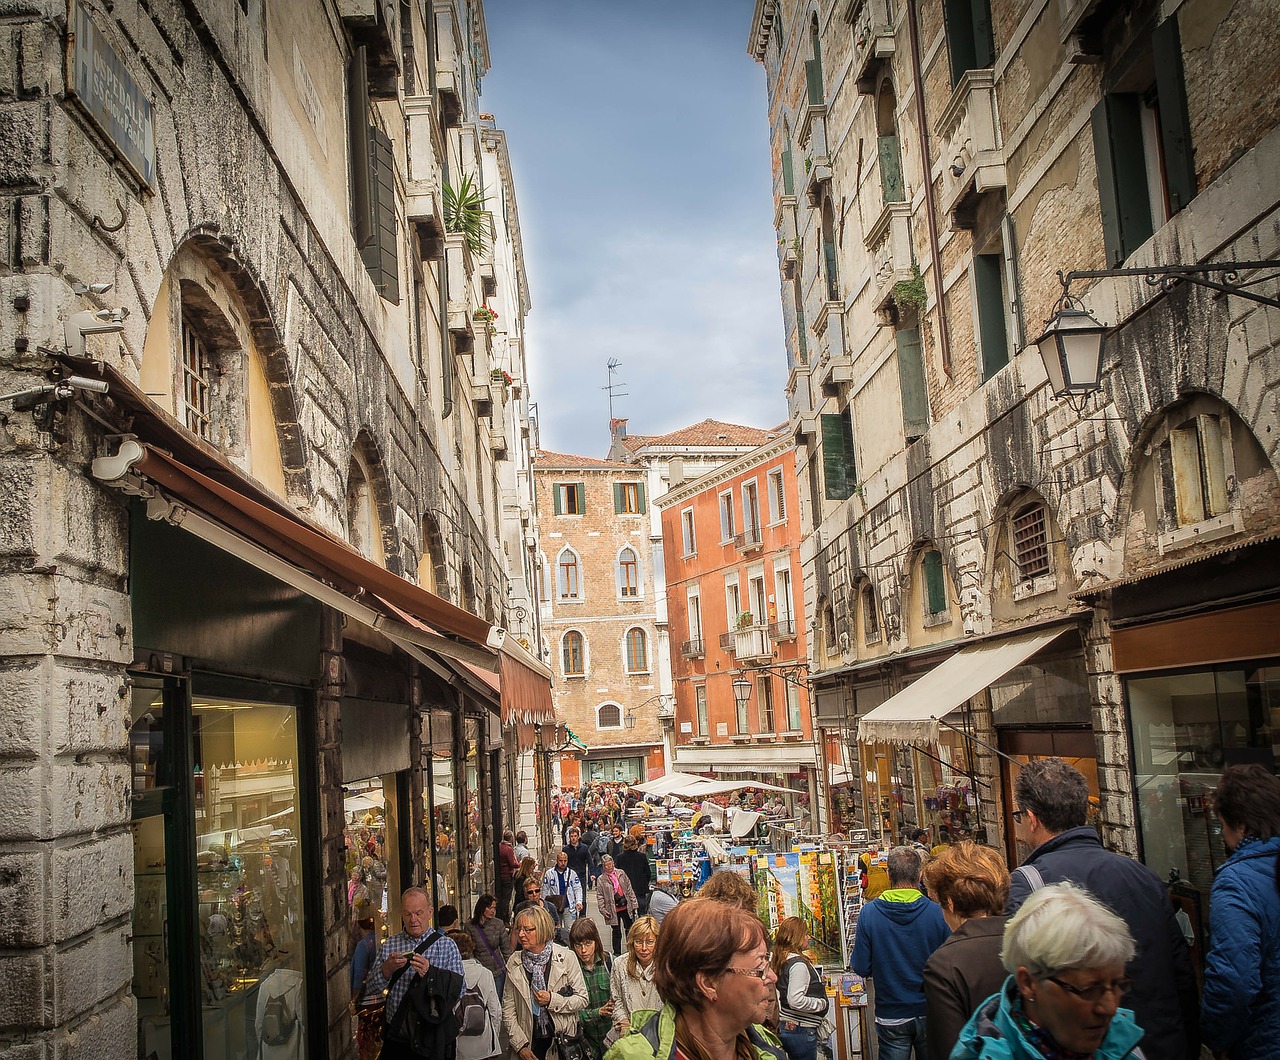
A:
1077, 746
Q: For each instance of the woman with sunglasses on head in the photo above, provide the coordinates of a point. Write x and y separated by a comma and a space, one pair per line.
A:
711, 966
1065, 953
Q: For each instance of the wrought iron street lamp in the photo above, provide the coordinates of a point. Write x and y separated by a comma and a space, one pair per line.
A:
741, 691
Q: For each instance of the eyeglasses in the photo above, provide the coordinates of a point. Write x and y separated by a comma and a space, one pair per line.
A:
1017, 815
1093, 993
761, 973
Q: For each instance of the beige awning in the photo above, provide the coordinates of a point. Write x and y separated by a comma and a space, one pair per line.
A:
913, 715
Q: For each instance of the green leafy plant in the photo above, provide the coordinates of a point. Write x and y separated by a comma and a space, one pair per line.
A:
464, 212
911, 293
744, 620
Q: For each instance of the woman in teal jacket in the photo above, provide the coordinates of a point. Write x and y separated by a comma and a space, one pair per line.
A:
1066, 954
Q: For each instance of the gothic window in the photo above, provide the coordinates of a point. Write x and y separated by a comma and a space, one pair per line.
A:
573, 653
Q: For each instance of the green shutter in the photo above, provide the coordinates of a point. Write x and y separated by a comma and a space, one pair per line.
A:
640, 496
788, 173
619, 499
582, 498
380, 251
890, 169
1175, 127
839, 475
991, 324
934, 583
984, 48
813, 81
833, 275
557, 498
1122, 176
915, 396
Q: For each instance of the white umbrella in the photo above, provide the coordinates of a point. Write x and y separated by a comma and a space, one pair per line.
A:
669, 783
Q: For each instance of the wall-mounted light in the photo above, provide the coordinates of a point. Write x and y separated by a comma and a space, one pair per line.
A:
741, 691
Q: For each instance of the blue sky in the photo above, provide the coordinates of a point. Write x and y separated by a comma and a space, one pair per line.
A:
640, 150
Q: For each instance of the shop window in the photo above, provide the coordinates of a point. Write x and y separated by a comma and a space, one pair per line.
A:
609, 716
371, 831
628, 498
637, 651
628, 574
573, 653
569, 498
1029, 530
568, 576
1142, 142
440, 794
700, 708
970, 43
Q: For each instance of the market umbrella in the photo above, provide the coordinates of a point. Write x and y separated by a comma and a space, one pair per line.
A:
669, 783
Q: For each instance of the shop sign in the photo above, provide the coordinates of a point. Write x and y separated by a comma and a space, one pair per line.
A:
111, 97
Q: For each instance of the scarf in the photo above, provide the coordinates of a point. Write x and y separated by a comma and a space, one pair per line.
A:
564, 880
1040, 1039
617, 883
535, 967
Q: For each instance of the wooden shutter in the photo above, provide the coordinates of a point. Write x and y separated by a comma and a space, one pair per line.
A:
380, 251
788, 173
582, 499
557, 498
890, 169
915, 396
640, 498
1122, 176
619, 498
839, 476
1175, 127
934, 583
991, 326
813, 81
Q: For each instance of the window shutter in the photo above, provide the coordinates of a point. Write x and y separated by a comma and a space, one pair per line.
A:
837, 456
582, 499
991, 327
640, 497
619, 499
833, 277
1122, 176
1175, 128
915, 397
813, 81
380, 252
984, 49
959, 24
788, 173
890, 169
935, 585
557, 498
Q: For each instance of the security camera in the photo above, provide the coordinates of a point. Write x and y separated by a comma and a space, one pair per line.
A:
91, 322
91, 288
80, 382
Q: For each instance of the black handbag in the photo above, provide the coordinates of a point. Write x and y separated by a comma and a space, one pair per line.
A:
571, 1047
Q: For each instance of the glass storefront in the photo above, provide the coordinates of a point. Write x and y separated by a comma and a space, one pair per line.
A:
620, 770
371, 832
1186, 728
439, 795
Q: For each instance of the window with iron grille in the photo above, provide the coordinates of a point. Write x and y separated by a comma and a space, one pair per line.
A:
197, 366
609, 716
573, 651
1030, 542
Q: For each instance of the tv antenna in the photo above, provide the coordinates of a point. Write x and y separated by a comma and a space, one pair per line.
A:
614, 389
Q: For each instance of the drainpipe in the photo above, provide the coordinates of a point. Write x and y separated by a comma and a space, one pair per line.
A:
917, 78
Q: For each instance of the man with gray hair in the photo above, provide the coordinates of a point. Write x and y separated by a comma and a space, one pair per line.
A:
896, 935
1051, 815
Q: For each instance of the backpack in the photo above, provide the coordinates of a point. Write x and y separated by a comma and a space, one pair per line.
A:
279, 1021
470, 1013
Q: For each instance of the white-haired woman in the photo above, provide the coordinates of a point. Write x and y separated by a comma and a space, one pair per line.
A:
1066, 953
545, 989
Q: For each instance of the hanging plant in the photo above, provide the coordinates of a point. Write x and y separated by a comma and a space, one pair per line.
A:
911, 293
464, 212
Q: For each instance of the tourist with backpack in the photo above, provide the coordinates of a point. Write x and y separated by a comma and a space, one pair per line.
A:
479, 1010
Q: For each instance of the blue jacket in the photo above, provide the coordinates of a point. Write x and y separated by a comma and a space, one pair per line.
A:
1241, 1014
893, 940
991, 1033
1164, 999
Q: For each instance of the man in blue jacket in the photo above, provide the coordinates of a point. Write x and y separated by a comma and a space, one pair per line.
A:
1052, 800
896, 934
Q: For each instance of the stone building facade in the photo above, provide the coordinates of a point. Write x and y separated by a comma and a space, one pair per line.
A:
262, 550
935, 166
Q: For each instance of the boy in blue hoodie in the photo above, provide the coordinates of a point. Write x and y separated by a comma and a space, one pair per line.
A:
896, 935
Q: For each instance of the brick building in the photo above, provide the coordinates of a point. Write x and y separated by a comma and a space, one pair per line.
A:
731, 540
264, 532
1094, 579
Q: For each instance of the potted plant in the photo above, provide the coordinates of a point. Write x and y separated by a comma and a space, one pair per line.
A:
464, 212
744, 620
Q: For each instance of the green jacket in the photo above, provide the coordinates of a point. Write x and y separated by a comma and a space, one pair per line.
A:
655, 1039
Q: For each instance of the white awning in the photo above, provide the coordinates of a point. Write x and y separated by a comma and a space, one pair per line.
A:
912, 715
670, 781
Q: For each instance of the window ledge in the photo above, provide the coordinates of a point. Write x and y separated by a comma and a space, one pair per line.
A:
689, 555
570, 600
1214, 529
1045, 583
574, 677
874, 638
938, 618
741, 737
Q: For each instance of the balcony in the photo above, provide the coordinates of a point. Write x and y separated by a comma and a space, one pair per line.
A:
424, 206
498, 441
375, 25
788, 246
784, 628
889, 241
726, 642
693, 649
970, 149
750, 540
460, 265
753, 644
482, 396
873, 40
817, 163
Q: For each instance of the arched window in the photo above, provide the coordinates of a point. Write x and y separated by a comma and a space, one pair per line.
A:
628, 574
573, 654
1029, 529
637, 651
364, 528
568, 576
870, 614
933, 583
608, 716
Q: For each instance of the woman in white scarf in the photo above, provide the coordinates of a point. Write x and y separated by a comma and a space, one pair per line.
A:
545, 989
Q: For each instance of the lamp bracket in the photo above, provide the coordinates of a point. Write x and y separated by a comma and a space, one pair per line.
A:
1168, 276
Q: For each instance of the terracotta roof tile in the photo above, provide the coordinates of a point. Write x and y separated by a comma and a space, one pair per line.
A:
546, 460
706, 433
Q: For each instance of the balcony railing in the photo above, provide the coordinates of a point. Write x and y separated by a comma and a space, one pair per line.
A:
750, 540
693, 649
784, 628
970, 137
752, 643
726, 642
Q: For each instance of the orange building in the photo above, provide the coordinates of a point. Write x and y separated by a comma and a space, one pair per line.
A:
731, 543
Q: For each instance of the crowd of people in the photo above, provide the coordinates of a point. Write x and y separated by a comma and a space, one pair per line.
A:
1075, 953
